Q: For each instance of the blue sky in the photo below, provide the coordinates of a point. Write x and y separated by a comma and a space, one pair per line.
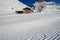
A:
30, 2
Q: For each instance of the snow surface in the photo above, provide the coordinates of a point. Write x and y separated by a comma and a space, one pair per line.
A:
33, 26
10, 6
28, 26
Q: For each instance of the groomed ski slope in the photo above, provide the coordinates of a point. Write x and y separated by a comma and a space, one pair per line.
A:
29, 26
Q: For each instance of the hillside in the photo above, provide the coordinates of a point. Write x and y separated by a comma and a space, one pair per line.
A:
10, 6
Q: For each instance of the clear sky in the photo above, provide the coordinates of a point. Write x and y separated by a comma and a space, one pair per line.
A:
30, 2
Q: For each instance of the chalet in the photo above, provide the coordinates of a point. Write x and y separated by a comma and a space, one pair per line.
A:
27, 10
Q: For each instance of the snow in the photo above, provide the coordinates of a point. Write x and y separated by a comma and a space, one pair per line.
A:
51, 8
10, 6
34, 26
27, 26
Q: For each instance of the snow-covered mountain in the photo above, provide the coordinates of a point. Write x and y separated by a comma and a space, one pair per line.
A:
51, 7
10, 6
43, 25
